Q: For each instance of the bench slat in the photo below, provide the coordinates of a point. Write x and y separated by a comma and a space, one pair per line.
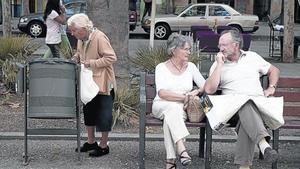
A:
151, 121
150, 92
291, 122
291, 111
150, 79
289, 96
286, 82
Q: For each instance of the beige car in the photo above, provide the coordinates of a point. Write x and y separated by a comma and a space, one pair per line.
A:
210, 14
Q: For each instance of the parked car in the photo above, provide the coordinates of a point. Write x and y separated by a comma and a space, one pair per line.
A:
132, 20
33, 24
132, 15
210, 14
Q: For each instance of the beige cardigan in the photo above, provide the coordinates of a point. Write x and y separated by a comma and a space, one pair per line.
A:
101, 56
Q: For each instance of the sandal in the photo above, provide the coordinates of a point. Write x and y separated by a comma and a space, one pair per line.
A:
185, 160
172, 165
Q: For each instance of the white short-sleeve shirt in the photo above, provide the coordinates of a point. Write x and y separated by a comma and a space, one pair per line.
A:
53, 35
243, 77
183, 83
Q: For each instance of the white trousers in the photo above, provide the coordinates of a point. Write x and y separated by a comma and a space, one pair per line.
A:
174, 128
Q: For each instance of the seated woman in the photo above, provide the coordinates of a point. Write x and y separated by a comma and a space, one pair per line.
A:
174, 81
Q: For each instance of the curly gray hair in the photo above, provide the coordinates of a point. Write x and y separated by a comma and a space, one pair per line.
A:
235, 36
80, 20
176, 40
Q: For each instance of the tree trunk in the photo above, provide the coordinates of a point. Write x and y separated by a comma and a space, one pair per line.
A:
111, 17
6, 13
288, 39
173, 6
25, 7
168, 6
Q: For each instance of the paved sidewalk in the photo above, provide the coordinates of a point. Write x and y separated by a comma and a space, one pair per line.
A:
56, 154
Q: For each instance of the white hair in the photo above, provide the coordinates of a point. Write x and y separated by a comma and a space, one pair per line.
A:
80, 20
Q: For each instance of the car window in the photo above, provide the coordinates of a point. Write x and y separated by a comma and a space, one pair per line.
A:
177, 12
196, 11
217, 11
74, 8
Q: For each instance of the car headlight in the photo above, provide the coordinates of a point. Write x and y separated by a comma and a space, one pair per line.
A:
147, 22
23, 19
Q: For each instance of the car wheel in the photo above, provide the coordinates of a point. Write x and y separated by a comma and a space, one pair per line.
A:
36, 29
238, 27
162, 31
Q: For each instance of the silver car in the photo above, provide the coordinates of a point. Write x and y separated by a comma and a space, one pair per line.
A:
210, 14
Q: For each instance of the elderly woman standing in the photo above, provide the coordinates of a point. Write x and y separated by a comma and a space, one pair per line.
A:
95, 52
174, 81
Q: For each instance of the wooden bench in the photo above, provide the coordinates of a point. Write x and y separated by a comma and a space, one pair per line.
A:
289, 88
147, 94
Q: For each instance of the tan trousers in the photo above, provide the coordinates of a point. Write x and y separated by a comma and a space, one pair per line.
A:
174, 127
251, 130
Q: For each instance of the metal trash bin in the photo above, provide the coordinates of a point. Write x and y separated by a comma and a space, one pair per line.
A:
50, 92
51, 89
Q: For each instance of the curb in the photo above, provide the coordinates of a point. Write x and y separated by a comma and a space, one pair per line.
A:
127, 137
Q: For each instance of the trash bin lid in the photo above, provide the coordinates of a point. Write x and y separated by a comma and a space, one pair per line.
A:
51, 61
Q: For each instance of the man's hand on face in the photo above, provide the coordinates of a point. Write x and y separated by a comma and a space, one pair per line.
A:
220, 58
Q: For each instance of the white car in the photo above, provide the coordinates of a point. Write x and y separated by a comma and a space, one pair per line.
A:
210, 14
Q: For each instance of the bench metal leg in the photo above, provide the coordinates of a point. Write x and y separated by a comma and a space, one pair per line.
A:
142, 148
201, 142
142, 119
78, 133
275, 145
142, 143
208, 146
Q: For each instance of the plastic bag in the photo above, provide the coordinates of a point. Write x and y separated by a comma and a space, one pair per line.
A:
88, 87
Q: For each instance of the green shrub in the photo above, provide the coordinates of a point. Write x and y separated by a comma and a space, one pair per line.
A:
125, 107
147, 58
14, 50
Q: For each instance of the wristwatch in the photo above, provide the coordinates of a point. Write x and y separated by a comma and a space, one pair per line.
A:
272, 86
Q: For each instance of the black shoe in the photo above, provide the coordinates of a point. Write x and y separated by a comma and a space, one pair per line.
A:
87, 147
99, 152
270, 155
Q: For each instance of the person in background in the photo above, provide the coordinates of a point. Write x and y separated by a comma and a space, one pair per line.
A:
174, 82
148, 7
237, 72
132, 5
65, 45
96, 53
54, 17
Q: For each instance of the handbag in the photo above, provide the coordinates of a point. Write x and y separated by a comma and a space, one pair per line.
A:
192, 106
88, 87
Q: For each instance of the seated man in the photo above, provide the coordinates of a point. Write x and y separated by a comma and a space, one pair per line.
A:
237, 72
